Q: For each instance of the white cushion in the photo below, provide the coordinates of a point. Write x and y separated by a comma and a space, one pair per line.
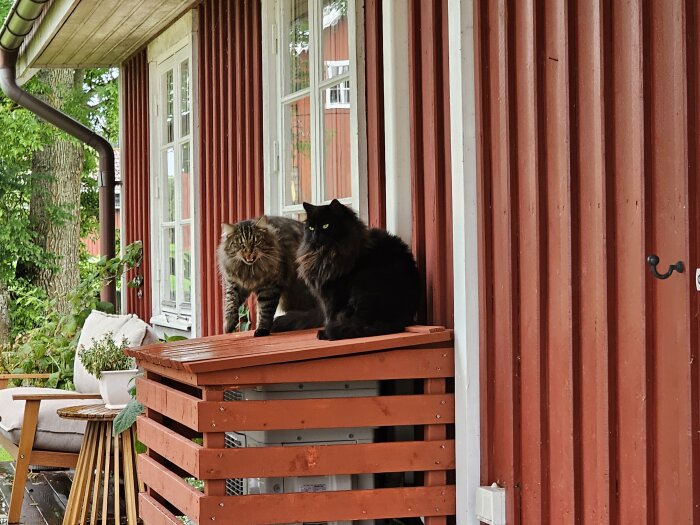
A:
53, 432
96, 326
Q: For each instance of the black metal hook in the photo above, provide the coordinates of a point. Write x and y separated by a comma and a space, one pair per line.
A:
653, 260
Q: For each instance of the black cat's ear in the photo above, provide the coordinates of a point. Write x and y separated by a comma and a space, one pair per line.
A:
226, 229
336, 204
308, 207
262, 222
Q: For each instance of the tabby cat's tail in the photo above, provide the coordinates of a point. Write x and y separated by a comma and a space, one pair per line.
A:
298, 320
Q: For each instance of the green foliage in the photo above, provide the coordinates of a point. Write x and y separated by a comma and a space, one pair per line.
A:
105, 355
134, 408
49, 347
243, 318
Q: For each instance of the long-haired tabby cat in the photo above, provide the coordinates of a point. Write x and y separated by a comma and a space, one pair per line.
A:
366, 280
259, 256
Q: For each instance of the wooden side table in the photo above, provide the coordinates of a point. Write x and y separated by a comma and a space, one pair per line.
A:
100, 456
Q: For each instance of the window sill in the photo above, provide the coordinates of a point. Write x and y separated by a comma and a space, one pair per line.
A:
171, 324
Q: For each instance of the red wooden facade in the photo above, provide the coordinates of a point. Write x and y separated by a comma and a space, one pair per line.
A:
587, 128
230, 134
136, 195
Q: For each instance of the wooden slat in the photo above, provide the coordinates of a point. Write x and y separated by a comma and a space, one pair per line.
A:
153, 513
225, 416
322, 460
282, 353
294, 346
329, 506
167, 401
162, 481
169, 444
391, 364
325, 413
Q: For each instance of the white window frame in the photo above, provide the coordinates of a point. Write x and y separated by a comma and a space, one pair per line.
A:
169, 51
272, 110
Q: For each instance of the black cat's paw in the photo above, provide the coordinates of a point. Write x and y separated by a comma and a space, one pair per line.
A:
261, 332
321, 334
230, 326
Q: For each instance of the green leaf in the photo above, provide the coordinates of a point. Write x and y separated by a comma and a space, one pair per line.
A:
127, 417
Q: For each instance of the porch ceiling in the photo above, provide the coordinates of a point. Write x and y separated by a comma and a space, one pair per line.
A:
88, 33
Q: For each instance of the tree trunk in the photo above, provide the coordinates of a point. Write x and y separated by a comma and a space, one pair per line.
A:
4, 313
56, 192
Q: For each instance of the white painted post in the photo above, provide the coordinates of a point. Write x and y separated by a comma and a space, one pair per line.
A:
465, 246
397, 136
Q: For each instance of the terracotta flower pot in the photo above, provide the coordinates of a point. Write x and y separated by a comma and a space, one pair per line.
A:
114, 387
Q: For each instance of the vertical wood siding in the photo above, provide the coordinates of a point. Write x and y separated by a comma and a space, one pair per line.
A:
430, 155
135, 173
374, 92
230, 116
587, 157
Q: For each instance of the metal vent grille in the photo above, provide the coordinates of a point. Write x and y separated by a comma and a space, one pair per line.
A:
234, 486
233, 395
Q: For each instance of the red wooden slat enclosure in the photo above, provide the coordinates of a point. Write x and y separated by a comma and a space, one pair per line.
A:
587, 159
183, 392
135, 173
230, 135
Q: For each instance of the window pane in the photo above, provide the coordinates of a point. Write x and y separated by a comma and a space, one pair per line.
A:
297, 151
170, 184
170, 287
335, 47
169, 107
185, 98
336, 142
295, 45
187, 262
185, 180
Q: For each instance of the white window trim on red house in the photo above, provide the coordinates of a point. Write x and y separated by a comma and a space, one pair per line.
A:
169, 50
465, 242
272, 112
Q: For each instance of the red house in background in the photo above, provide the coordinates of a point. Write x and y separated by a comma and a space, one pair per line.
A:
532, 153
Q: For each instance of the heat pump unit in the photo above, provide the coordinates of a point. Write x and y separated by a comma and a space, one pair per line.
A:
306, 437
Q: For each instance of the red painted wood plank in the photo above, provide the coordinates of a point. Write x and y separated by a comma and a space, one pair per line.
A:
342, 412
670, 337
630, 296
169, 444
153, 513
559, 332
172, 487
326, 460
330, 506
591, 237
391, 364
168, 401
505, 389
534, 479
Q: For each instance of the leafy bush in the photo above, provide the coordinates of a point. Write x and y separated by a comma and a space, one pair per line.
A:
50, 345
105, 355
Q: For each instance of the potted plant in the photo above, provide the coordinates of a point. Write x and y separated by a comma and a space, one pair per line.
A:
105, 359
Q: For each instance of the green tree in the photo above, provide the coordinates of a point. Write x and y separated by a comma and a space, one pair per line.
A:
48, 189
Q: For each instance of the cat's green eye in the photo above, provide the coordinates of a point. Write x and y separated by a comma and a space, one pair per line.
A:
311, 228
325, 226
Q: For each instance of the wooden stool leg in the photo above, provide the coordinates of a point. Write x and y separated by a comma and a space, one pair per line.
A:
108, 457
129, 481
98, 470
76, 494
90, 470
116, 480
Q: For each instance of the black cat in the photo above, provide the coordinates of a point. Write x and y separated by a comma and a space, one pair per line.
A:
366, 280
